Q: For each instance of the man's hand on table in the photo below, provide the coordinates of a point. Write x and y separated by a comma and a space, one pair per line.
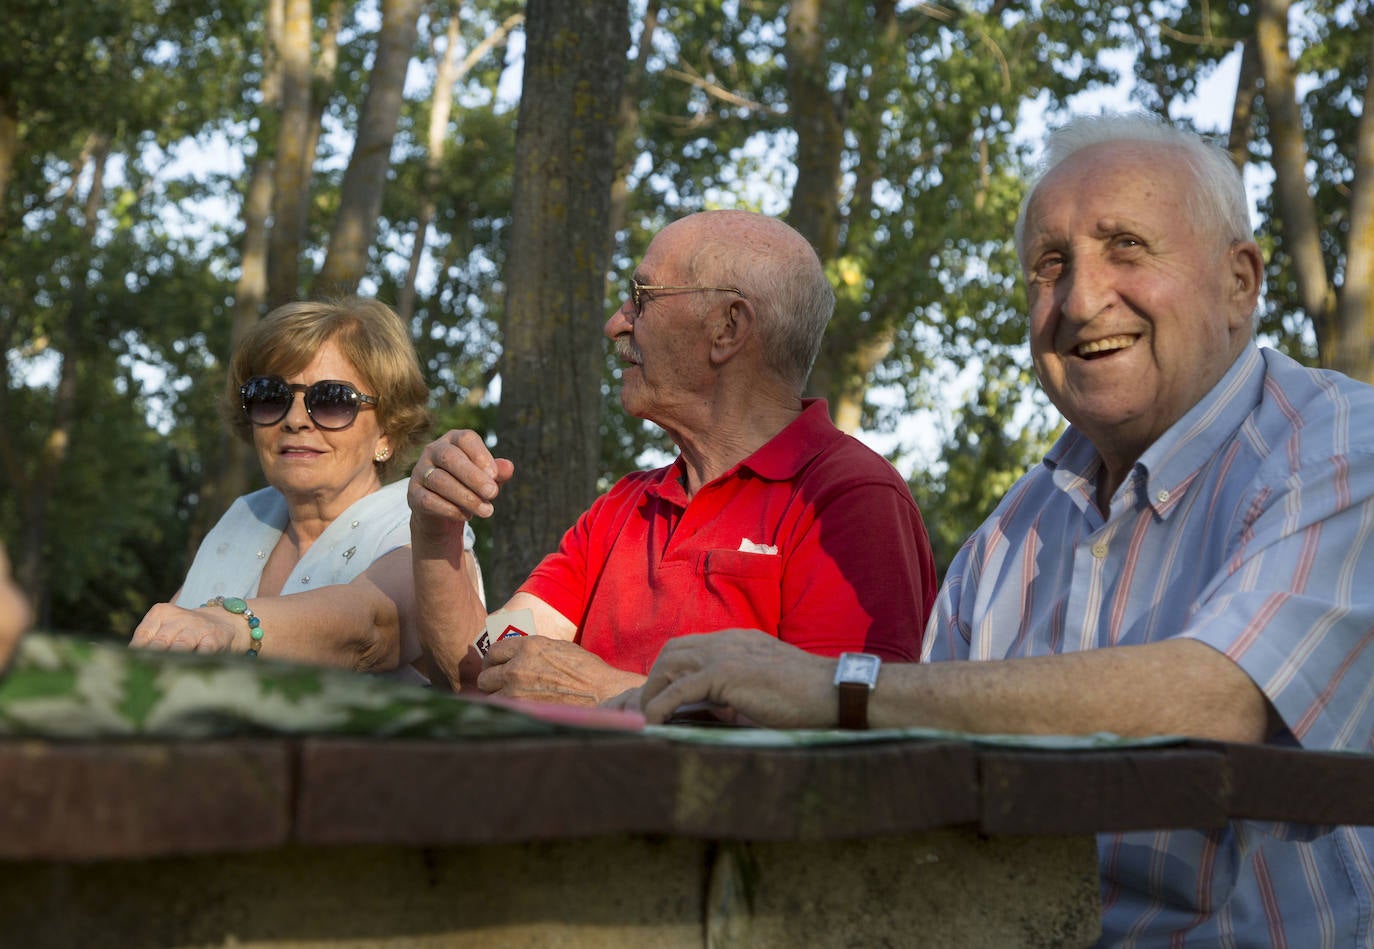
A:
551, 670
760, 678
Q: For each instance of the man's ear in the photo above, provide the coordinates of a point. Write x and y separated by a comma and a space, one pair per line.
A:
732, 331
1247, 277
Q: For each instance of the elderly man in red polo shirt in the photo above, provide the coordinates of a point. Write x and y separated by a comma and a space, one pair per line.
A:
769, 518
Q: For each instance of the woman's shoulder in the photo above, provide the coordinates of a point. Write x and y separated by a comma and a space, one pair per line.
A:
265, 506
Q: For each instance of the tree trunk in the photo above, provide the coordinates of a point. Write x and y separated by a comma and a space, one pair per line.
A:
322, 83
818, 118
853, 347
364, 181
560, 245
9, 147
1292, 200
450, 71
627, 121
440, 109
291, 185
1355, 315
1243, 109
251, 289
230, 463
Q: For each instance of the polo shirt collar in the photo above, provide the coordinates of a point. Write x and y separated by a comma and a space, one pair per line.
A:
779, 459
792, 449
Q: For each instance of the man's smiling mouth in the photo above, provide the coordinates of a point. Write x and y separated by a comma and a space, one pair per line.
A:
1103, 347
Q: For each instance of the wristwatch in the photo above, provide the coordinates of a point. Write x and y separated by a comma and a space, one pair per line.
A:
855, 677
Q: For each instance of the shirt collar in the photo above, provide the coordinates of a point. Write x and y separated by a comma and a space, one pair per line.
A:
1169, 465
789, 451
779, 459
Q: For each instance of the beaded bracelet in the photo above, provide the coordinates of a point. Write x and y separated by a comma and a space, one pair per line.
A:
238, 605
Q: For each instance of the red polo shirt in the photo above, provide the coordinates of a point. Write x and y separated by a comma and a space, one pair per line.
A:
814, 538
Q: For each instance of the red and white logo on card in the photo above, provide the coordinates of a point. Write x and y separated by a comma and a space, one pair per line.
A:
504, 625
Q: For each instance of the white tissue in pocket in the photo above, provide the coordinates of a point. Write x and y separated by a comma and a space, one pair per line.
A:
748, 546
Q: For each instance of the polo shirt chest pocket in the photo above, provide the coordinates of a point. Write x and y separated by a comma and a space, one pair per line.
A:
744, 586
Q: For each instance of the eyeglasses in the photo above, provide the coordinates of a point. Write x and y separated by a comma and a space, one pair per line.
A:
638, 292
332, 405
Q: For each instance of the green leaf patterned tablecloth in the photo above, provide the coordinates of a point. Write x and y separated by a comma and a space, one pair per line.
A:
62, 687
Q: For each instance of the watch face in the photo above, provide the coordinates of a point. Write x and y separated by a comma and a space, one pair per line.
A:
857, 667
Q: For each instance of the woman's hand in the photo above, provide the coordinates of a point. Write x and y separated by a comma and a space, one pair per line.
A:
173, 629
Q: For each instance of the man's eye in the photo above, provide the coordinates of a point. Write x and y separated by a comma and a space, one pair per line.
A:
1048, 268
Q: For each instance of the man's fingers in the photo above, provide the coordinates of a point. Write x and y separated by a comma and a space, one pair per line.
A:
457, 476
661, 703
627, 701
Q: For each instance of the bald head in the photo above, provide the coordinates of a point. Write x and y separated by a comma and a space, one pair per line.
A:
777, 271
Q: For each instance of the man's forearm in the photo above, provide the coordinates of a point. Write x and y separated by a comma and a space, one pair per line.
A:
1173, 687
449, 612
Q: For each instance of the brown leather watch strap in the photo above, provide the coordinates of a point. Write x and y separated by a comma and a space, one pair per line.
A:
854, 704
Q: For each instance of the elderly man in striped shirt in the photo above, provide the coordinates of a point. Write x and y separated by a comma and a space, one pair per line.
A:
1192, 557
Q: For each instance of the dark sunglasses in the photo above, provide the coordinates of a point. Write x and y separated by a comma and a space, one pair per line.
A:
331, 404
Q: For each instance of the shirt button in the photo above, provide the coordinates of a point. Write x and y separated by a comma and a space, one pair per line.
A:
1162, 495
1099, 550
354, 524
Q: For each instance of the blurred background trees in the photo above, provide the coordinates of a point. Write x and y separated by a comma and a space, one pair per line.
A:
170, 170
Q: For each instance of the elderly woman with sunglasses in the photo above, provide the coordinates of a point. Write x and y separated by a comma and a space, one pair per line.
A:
316, 566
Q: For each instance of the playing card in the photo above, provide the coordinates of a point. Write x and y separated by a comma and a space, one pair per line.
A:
503, 625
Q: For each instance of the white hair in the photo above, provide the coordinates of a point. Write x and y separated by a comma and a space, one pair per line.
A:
1217, 202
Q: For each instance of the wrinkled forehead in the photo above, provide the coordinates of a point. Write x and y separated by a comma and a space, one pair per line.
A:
1120, 165
1109, 182
669, 254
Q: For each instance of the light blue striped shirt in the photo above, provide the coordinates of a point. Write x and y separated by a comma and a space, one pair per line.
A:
1246, 526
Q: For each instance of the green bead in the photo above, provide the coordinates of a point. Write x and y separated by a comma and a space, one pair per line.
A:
256, 634
235, 604
253, 653
254, 622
